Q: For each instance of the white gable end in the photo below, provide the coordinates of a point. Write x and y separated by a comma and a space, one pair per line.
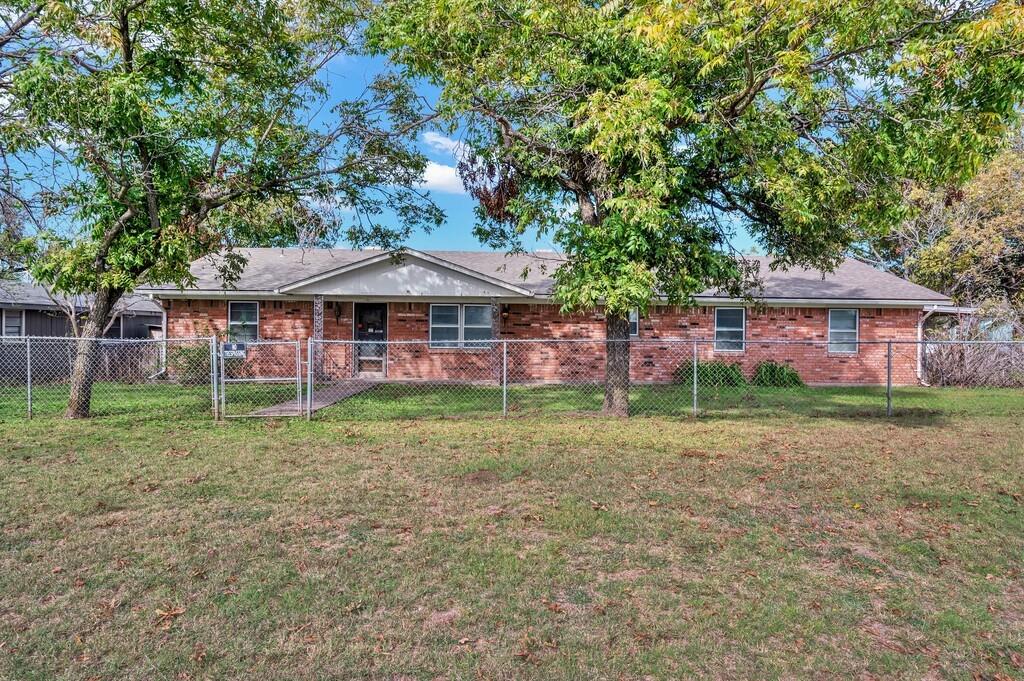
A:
410, 277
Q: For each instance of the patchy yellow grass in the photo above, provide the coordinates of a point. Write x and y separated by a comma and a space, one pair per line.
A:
535, 549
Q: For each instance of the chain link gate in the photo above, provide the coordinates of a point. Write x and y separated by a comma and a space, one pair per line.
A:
260, 379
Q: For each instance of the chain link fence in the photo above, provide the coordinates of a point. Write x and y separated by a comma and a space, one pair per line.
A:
135, 377
412, 379
668, 377
261, 378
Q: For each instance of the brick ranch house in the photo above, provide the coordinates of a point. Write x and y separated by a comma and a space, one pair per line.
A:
452, 302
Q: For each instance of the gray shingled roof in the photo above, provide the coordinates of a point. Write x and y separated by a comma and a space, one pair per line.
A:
22, 295
268, 269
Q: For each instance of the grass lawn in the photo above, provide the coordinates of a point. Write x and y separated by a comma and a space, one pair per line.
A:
798, 546
411, 400
418, 400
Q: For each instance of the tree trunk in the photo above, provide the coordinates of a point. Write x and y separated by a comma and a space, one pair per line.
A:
616, 383
83, 371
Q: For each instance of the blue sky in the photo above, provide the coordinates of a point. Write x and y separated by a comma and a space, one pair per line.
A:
347, 77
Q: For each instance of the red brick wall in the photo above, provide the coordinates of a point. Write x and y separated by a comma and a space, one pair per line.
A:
653, 358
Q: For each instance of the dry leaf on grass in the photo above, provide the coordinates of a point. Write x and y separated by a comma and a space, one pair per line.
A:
166, 616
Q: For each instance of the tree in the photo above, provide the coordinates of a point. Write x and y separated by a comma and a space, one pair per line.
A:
966, 241
144, 134
641, 135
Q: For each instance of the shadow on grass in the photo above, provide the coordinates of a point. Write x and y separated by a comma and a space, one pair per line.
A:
913, 406
144, 400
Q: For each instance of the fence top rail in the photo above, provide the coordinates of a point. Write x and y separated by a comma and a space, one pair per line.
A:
479, 344
182, 339
268, 341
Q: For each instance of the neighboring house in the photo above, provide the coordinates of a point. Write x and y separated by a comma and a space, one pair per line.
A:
29, 310
456, 301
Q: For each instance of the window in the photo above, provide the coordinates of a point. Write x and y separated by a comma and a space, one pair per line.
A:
634, 322
729, 328
842, 330
454, 326
444, 326
243, 321
476, 325
14, 322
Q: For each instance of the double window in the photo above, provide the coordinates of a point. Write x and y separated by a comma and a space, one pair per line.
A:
243, 321
730, 328
13, 323
460, 326
842, 330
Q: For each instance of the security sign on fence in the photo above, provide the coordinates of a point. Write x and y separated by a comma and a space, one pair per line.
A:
233, 351
261, 378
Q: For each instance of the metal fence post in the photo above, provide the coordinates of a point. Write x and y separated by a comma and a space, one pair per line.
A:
888, 379
298, 378
28, 374
309, 378
213, 374
222, 385
694, 363
504, 378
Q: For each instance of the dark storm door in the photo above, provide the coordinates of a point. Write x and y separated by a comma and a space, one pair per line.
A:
371, 320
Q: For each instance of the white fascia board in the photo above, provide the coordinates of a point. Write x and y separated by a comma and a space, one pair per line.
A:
711, 301
426, 257
379, 257
812, 302
950, 309
211, 293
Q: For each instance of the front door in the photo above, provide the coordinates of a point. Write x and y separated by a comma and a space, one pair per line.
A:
371, 320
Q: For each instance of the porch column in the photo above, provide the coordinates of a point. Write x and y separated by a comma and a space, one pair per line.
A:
318, 335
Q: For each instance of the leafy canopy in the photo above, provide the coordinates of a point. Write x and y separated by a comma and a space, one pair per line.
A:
140, 135
966, 241
642, 135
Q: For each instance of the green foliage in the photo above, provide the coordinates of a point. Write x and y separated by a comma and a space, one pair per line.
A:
189, 364
714, 374
146, 135
966, 241
639, 137
775, 375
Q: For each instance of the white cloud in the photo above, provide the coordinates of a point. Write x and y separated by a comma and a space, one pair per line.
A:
444, 145
441, 178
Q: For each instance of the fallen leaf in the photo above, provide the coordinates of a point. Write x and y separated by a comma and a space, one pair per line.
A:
165, 616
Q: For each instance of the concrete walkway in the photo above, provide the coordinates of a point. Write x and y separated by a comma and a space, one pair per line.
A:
323, 397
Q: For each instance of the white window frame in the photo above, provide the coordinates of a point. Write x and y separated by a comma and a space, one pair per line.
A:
856, 332
460, 342
3, 323
243, 302
634, 322
476, 344
742, 330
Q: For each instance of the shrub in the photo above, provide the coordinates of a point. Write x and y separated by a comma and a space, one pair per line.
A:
711, 374
189, 364
774, 375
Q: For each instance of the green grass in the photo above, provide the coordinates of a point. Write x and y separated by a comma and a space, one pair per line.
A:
109, 399
397, 400
805, 545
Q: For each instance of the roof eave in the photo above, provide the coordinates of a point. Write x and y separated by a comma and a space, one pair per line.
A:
426, 257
